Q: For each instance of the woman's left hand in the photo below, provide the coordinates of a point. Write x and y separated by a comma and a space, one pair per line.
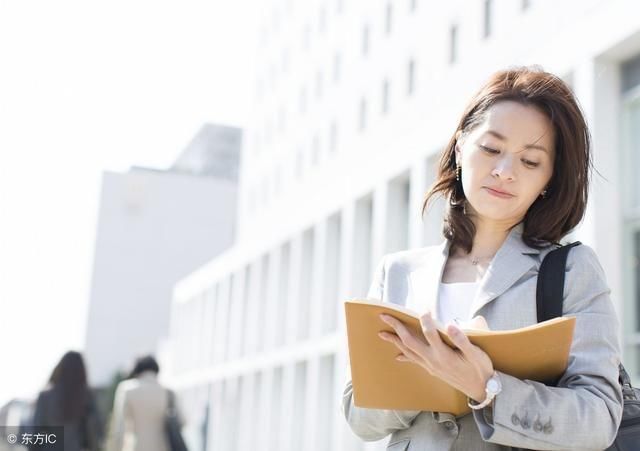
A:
467, 368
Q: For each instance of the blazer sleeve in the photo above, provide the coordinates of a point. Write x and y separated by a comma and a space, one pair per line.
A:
588, 396
374, 424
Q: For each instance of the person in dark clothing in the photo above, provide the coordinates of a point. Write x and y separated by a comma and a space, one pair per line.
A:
68, 402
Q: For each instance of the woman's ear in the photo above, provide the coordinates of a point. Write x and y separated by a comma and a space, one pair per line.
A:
457, 147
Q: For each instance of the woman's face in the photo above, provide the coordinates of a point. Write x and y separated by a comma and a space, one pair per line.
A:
511, 151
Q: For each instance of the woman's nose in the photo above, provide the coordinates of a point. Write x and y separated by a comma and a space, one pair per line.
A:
504, 168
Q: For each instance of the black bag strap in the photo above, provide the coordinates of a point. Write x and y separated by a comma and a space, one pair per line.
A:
550, 287
171, 402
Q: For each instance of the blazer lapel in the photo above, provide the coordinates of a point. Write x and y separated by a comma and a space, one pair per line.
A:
510, 263
425, 280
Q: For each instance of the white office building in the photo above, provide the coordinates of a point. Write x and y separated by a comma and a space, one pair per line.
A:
155, 227
354, 100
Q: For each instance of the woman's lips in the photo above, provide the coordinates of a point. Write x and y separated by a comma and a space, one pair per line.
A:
498, 193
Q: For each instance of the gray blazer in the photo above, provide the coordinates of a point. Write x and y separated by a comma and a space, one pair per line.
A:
582, 413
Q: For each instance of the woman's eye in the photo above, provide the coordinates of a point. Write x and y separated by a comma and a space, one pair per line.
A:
531, 164
489, 149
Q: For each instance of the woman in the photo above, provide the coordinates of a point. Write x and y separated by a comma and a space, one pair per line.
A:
139, 410
515, 175
68, 402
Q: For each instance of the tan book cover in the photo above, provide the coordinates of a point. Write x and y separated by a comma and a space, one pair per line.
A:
538, 352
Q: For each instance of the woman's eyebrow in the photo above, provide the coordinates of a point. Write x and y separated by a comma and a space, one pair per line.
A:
528, 146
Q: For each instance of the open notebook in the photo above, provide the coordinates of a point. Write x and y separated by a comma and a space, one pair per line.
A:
538, 352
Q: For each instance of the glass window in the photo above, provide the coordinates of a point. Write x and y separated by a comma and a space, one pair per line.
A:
322, 19
365, 40
635, 262
363, 114
411, 77
385, 96
634, 154
299, 162
388, 18
453, 44
302, 103
315, 149
333, 136
488, 7
318, 84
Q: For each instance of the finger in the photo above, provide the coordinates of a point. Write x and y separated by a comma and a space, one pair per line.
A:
430, 330
392, 338
406, 336
460, 340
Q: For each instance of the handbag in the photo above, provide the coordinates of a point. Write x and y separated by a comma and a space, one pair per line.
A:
549, 290
172, 425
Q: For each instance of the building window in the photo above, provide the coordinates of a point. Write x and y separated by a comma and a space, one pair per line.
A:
299, 162
285, 60
272, 75
453, 44
306, 37
411, 74
281, 118
322, 19
315, 149
365, 40
265, 191
488, 7
268, 129
318, 84
385, 96
336, 67
333, 137
278, 181
630, 214
388, 18
252, 200
259, 89
362, 121
302, 101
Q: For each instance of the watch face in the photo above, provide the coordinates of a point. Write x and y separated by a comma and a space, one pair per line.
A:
493, 386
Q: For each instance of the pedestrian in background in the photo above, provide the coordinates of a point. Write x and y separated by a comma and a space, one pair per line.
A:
67, 402
140, 409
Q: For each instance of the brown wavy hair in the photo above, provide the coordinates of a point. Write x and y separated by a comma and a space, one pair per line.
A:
550, 218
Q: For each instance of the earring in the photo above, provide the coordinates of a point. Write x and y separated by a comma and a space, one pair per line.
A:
544, 194
458, 172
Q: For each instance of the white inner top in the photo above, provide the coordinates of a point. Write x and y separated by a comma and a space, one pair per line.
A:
454, 301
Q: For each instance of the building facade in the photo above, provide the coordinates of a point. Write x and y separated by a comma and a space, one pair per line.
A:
354, 100
154, 228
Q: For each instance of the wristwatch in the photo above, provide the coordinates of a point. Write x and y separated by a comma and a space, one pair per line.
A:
493, 387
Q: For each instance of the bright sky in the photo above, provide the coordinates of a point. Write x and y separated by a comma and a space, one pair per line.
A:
87, 86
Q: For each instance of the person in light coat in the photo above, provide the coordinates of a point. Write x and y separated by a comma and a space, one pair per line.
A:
515, 178
140, 406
